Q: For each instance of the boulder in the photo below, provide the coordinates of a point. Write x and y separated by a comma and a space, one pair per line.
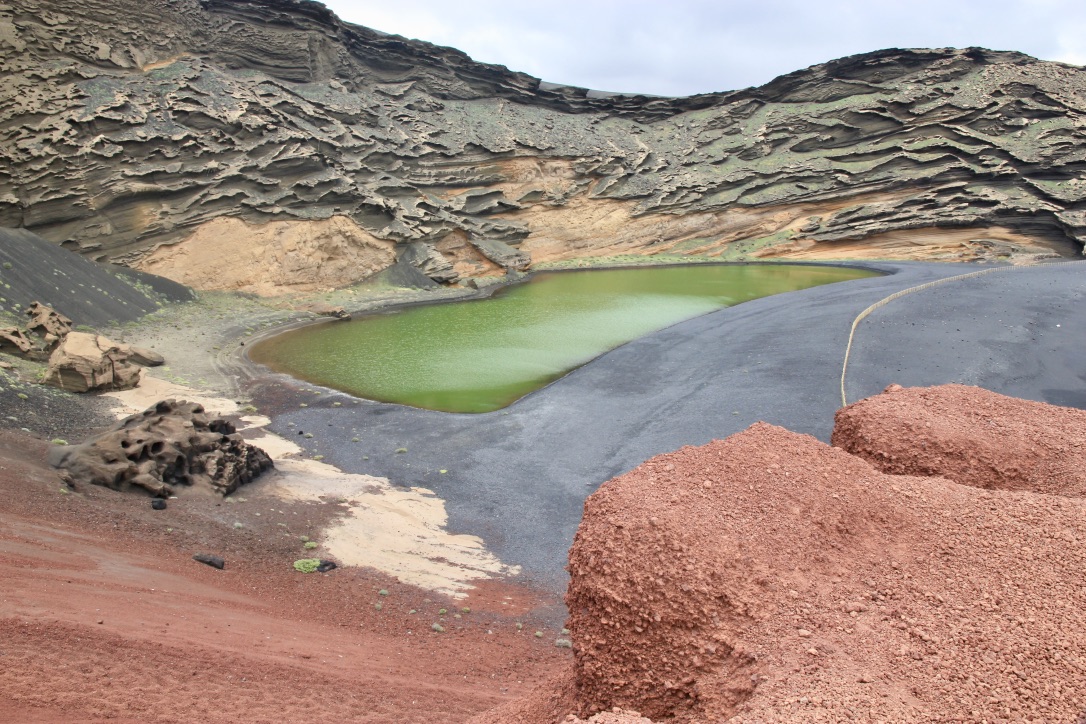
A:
42, 334
502, 254
142, 355
85, 362
169, 445
969, 435
327, 310
15, 341
47, 323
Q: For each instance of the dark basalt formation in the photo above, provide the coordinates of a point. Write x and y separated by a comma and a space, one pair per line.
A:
169, 445
127, 125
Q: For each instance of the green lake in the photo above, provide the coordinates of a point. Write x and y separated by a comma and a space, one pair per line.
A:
481, 355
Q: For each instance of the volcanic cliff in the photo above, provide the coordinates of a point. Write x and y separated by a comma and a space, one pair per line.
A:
265, 145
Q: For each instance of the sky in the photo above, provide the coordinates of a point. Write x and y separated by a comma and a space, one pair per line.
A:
684, 47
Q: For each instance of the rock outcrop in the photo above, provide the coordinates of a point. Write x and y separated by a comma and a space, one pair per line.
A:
16, 341
328, 310
169, 445
771, 577
84, 362
969, 435
142, 355
40, 337
47, 323
128, 128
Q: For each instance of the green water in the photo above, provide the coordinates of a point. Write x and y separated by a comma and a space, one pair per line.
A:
479, 356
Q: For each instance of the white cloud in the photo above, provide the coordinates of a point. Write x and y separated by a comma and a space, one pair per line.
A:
691, 46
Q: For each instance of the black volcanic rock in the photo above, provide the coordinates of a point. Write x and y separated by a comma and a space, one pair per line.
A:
168, 445
128, 125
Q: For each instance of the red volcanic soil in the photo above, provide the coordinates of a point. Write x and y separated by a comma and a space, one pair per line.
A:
970, 435
769, 577
104, 616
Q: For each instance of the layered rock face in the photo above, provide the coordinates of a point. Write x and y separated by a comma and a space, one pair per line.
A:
127, 127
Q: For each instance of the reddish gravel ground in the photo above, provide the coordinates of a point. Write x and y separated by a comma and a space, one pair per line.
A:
105, 617
772, 578
969, 435
767, 577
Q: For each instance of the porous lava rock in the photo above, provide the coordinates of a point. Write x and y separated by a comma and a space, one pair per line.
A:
771, 577
17, 342
169, 445
84, 362
970, 435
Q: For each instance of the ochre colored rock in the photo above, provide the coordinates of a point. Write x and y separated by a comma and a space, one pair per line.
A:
327, 310
86, 362
142, 355
169, 445
15, 341
47, 323
970, 435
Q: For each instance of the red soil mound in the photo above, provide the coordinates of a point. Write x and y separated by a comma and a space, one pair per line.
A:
770, 577
970, 435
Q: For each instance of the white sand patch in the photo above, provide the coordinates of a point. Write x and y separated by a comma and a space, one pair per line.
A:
277, 447
397, 531
394, 530
152, 390
254, 422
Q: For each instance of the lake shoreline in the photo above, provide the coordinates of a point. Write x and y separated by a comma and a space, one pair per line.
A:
478, 358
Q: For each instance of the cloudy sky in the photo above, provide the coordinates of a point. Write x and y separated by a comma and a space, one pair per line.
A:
700, 46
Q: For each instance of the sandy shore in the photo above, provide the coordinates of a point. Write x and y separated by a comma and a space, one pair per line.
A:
399, 531
516, 479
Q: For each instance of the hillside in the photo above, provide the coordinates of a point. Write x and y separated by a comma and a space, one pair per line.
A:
266, 146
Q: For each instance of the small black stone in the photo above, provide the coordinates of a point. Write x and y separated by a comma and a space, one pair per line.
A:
325, 566
158, 504
301, 432
213, 561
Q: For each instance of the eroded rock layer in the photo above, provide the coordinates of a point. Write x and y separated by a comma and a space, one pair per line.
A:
771, 577
127, 126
